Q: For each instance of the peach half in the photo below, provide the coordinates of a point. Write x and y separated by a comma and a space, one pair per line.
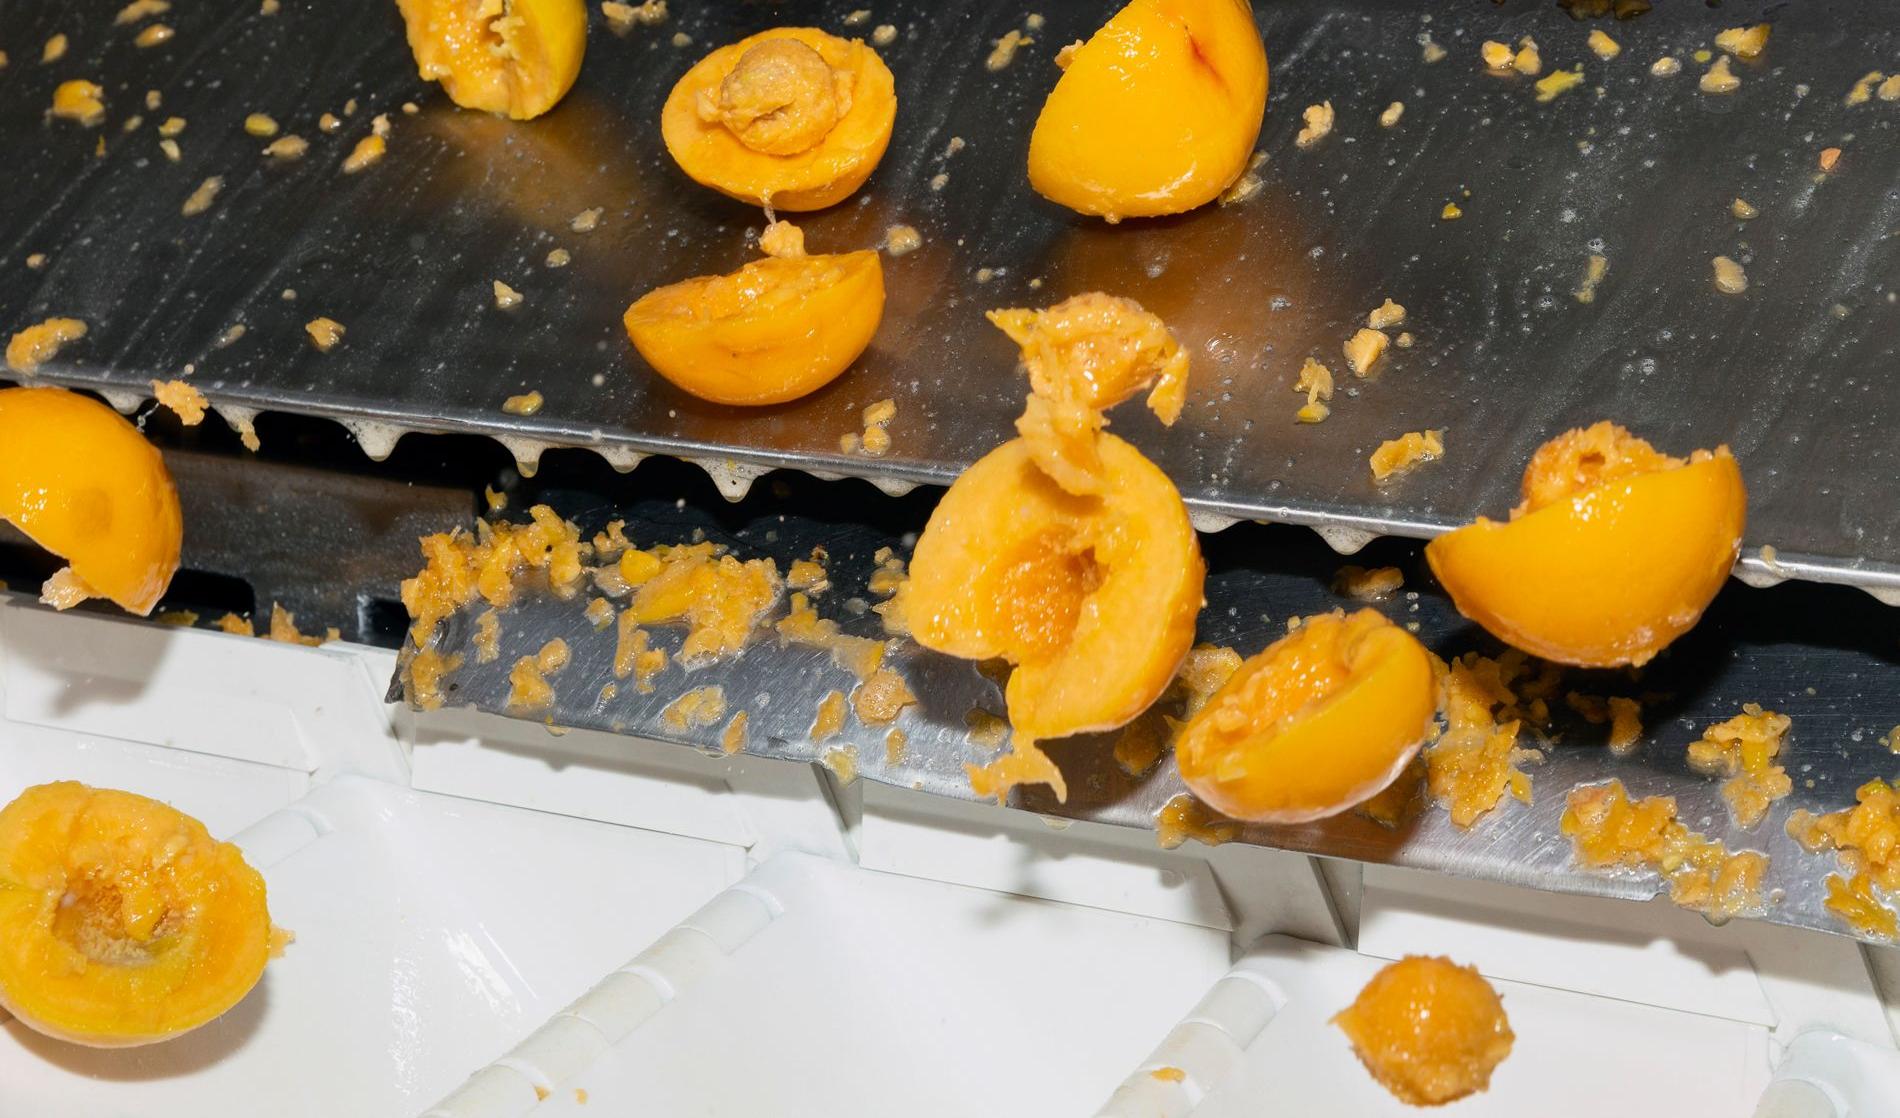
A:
773, 331
1092, 598
1156, 114
81, 482
1318, 721
122, 921
513, 57
1614, 553
792, 118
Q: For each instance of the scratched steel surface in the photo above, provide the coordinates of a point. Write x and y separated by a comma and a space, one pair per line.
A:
1822, 655
1797, 374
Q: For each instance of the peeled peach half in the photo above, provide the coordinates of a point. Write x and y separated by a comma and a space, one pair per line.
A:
772, 331
122, 921
1614, 553
1318, 721
1091, 597
514, 57
790, 118
82, 483
1156, 114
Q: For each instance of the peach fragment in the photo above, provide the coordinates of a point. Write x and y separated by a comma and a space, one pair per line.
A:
1318, 721
1157, 113
81, 482
773, 331
516, 57
1614, 553
791, 118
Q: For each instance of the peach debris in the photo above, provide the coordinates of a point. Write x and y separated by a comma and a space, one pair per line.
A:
1609, 830
324, 333
1866, 842
1730, 279
1719, 78
1473, 764
842, 760
1428, 1030
1183, 817
200, 199
1556, 83
1744, 749
1364, 349
1743, 42
367, 151
1602, 45
1316, 380
1318, 124
79, 100
36, 345
699, 707
1368, 585
1399, 456
733, 738
182, 398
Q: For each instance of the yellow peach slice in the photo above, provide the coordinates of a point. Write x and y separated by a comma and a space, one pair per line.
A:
82, 483
1156, 114
791, 118
1092, 598
773, 331
1320, 720
514, 57
122, 922
1614, 553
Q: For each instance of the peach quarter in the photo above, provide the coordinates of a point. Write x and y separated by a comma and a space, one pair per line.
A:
1614, 553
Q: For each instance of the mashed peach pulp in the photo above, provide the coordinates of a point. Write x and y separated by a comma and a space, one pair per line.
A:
1430, 1031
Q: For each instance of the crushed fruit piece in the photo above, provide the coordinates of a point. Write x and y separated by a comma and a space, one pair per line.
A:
140, 9
1890, 88
1364, 349
806, 574
558, 258
1318, 124
55, 49
783, 240
241, 627
1473, 764
200, 199
1742, 210
1084, 355
1557, 82
1852, 900
700, 707
1593, 273
1368, 585
1665, 67
183, 399
1397, 457
1719, 78
38, 344
1527, 60
986, 731
367, 151
1385, 316
79, 100
900, 239
287, 147
733, 738
1139, 745
1316, 380
506, 298
1183, 817
487, 639
881, 697
830, 716
171, 126
1003, 50
1624, 715
634, 655
260, 125
283, 629
842, 760
1830, 158
861, 656
1730, 279
721, 599
324, 333
1391, 115
1451, 212
1602, 45
895, 743
1247, 185
154, 35
461, 567
1609, 830
1744, 749
1866, 842
528, 687
1496, 55
1743, 42
1430, 51
1428, 1030
622, 17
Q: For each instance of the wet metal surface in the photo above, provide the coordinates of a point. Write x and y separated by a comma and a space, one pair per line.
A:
1797, 374
1817, 654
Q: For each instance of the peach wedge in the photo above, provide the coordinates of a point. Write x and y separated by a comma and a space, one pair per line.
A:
773, 331
1614, 553
1318, 721
792, 118
1156, 114
1092, 598
82, 483
513, 57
